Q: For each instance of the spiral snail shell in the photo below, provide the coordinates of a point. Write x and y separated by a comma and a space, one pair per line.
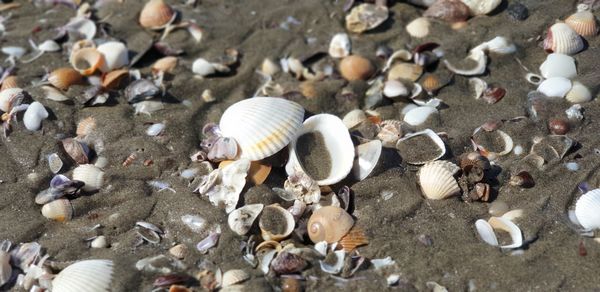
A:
329, 224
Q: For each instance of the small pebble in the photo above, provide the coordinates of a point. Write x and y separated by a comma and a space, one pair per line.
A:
517, 11
393, 279
498, 208
518, 150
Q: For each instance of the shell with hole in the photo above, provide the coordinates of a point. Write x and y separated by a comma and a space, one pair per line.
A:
276, 223
240, 220
437, 180
63, 78
329, 224
583, 21
156, 14
58, 210
35, 113
87, 275
233, 277
92, 176
115, 55
586, 210
562, 39
367, 158
87, 61
337, 143
340, 46
410, 142
262, 126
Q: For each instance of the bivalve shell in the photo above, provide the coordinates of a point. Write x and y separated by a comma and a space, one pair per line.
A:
59, 210
10, 82
78, 151
354, 118
276, 223
558, 65
156, 14
419, 158
437, 180
366, 16
481, 7
408, 71
86, 127
115, 56
583, 22
92, 176
240, 220
63, 78
329, 224
562, 39
115, 79
340, 46
586, 210
418, 28
579, 93
166, 65
233, 277
356, 67
88, 275
448, 10
35, 113
87, 61
394, 88
367, 157
555, 87
262, 126
7, 97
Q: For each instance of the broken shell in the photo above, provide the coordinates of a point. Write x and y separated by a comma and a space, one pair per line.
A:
115, 56
508, 143
141, 89
55, 163
583, 22
403, 143
481, 7
59, 210
478, 86
448, 10
87, 61
555, 87
114, 79
269, 68
78, 151
257, 173
63, 78
562, 39
498, 45
367, 157
471, 159
474, 64
339, 46
579, 93
356, 67
333, 267
586, 210
418, 28
166, 65
329, 224
407, 71
156, 14
262, 126
86, 127
203, 68
401, 54
522, 179
240, 220
10, 82
354, 118
365, 17
35, 113
418, 115
431, 83
92, 176
437, 180
389, 133
276, 223
88, 275
486, 231
179, 251
356, 237
233, 277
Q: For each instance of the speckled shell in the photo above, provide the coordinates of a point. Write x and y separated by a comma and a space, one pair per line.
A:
583, 22
92, 176
586, 210
233, 277
156, 14
262, 126
562, 39
437, 180
63, 78
329, 224
448, 10
87, 61
88, 275
59, 210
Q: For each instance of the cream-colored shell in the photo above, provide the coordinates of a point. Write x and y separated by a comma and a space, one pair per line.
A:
240, 220
262, 126
481, 7
437, 180
583, 22
179, 251
579, 93
289, 224
586, 210
353, 118
233, 277
59, 210
6, 97
92, 176
367, 157
340, 46
87, 275
329, 224
418, 28
563, 39
115, 55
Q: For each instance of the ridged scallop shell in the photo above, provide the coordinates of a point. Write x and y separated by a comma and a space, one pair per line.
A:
92, 176
587, 210
437, 180
63, 78
86, 127
418, 28
233, 277
87, 61
329, 224
562, 39
156, 14
287, 221
115, 55
579, 93
583, 22
87, 275
262, 126
59, 210
10, 82
241, 220
431, 83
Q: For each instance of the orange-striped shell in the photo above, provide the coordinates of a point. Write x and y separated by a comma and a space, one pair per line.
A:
10, 82
86, 127
583, 22
356, 237
156, 14
114, 79
63, 78
87, 61
431, 83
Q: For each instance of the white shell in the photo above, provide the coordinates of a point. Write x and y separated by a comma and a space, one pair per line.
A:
477, 56
579, 93
367, 157
92, 176
478, 85
99, 242
115, 56
203, 68
49, 46
563, 40
587, 210
155, 129
418, 28
481, 7
431, 135
262, 126
555, 87
486, 231
35, 113
340, 46
269, 67
354, 118
54, 94
240, 220
401, 54
88, 275
498, 45
558, 65
337, 142
395, 88
233, 277
232, 179
83, 26
419, 115
437, 180
407, 108
5, 97
59, 210
16, 52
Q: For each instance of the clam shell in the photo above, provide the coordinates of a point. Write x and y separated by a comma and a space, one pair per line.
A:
555, 87
54, 94
115, 56
339, 46
87, 275
366, 16
475, 62
233, 277
329, 224
367, 157
498, 45
240, 220
481, 7
35, 113
354, 118
356, 67
78, 151
586, 210
7, 96
63, 78
448, 10
268, 67
562, 39
262, 126
407, 71
437, 180
579, 93
156, 14
114, 79
419, 115
583, 22
269, 229
87, 61
418, 28
179, 251
59, 210
558, 65
10, 82
166, 65
86, 127
99, 242
49, 46
92, 176
437, 141
394, 88
257, 173
431, 83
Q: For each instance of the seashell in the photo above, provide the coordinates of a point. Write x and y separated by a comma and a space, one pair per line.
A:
418, 115
498, 45
418, 28
579, 93
115, 56
522, 179
493, 94
58, 210
498, 208
8, 96
356, 237
202, 67
402, 54
165, 64
478, 86
481, 7
534, 78
365, 17
586, 210
437, 180
86, 127
354, 118
555, 87
355, 67
99, 242
55, 163
92, 176
431, 83
80, 44
257, 173
34, 115
288, 263
583, 22
156, 14
394, 88
155, 129
114, 79
389, 133
63, 78
82, 26
405, 71
87, 275
329, 224
336, 266
269, 68
340, 46
5, 266
402, 144
49, 46
508, 143
276, 223
562, 39
367, 157
87, 61
558, 126
14, 52
262, 126
468, 160
448, 10
486, 231
141, 89
78, 151
54, 94
474, 64
240, 220
10, 82
337, 143
233, 277
517, 11
179, 251
558, 65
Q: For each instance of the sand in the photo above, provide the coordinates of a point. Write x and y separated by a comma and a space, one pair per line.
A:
388, 206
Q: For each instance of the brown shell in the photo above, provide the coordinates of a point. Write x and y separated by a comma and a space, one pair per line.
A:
407, 71
356, 67
75, 150
522, 179
448, 10
156, 14
166, 65
179, 251
87, 60
86, 127
10, 82
431, 83
288, 263
115, 79
558, 126
63, 78
355, 238
329, 224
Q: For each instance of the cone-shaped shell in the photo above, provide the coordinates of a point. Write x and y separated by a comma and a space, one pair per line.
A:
262, 126
87, 61
437, 180
88, 275
233, 277
156, 14
63, 78
583, 22
276, 223
586, 210
92, 176
329, 224
240, 220
562, 39
59, 210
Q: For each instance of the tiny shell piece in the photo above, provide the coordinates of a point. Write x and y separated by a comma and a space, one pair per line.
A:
340, 46
481, 7
99, 242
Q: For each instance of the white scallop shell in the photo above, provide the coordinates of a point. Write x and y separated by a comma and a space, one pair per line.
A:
92, 176
579, 93
419, 115
262, 126
233, 277
587, 210
563, 39
367, 157
88, 275
555, 87
437, 180
35, 113
59, 210
6, 96
418, 28
583, 22
337, 142
240, 220
354, 118
115, 56
558, 65
340, 46
481, 7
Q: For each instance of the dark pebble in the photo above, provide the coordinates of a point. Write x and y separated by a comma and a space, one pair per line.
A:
518, 11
